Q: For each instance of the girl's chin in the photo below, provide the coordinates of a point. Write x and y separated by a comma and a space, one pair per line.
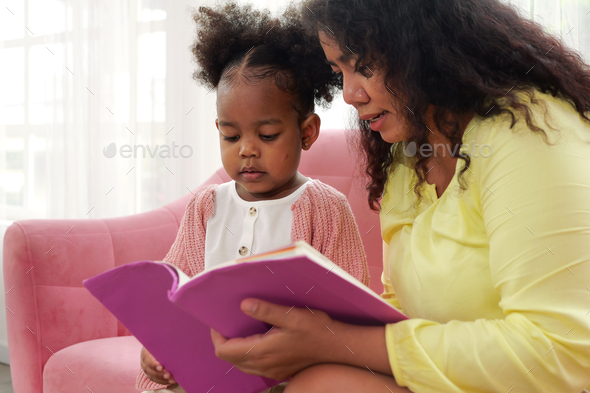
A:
248, 190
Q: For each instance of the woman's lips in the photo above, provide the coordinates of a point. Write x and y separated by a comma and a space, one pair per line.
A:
376, 125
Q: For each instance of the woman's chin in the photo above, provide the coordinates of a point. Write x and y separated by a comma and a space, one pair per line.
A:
392, 135
391, 138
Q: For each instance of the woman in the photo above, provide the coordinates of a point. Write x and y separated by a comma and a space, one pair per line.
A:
474, 127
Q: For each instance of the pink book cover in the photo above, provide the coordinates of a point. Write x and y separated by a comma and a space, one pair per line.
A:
174, 322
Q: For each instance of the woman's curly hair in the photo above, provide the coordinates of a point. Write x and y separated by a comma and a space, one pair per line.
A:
257, 46
461, 56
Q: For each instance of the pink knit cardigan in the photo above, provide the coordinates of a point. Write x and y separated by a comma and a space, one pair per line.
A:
321, 216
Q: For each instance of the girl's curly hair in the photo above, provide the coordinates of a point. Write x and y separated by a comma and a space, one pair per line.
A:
257, 46
461, 56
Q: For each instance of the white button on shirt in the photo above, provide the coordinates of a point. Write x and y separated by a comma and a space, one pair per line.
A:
240, 228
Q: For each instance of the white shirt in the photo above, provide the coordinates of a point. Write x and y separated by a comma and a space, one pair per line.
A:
241, 228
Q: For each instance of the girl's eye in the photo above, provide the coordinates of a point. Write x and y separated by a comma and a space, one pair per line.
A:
230, 138
269, 137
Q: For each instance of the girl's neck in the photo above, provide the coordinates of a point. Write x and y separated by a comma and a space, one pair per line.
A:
285, 190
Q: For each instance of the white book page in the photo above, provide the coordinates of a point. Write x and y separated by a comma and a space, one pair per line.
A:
182, 277
305, 249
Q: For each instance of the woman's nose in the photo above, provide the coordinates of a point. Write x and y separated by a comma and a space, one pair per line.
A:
354, 93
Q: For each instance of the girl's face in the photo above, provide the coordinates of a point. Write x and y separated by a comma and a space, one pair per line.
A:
260, 138
367, 93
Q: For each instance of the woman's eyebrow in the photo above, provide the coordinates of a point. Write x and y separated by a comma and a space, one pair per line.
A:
343, 59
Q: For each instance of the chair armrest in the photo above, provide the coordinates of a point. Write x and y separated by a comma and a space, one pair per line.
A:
45, 262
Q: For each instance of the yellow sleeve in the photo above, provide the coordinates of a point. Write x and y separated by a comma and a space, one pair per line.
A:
388, 293
535, 204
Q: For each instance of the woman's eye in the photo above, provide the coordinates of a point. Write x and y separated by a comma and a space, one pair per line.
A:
269, 137
365, 71
230, 138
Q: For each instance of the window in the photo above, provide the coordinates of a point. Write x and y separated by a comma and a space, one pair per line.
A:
54, 57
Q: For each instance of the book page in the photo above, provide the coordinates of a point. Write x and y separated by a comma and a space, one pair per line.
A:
182, 277
291, 250
303, 248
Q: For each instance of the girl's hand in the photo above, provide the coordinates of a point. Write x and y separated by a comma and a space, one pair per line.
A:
298, 339
154, 370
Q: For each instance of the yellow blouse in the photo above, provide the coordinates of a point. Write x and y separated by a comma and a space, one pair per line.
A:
496, 278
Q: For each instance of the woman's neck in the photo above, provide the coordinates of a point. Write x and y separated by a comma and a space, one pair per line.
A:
441, 164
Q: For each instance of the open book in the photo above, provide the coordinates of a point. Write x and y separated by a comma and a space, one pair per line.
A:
171, 314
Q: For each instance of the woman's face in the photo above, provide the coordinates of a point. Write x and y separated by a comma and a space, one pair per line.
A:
367, 93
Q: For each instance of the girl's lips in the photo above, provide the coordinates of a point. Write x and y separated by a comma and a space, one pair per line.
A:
250, 176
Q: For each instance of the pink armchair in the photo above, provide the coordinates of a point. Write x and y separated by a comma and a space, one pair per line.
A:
61, 339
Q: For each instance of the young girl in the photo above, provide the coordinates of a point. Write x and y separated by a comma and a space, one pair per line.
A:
266, 88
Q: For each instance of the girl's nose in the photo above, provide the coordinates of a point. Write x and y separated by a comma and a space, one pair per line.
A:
249, 149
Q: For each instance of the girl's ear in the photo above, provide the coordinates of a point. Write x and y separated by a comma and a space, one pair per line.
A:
310, 130
217, 123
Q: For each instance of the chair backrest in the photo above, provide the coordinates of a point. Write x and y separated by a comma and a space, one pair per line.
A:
332, 161
45, 262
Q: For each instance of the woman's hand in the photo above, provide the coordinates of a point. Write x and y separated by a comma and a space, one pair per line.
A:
298, 339
154, 370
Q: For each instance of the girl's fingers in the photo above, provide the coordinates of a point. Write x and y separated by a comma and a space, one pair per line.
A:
154, 370
157, 371
164, 378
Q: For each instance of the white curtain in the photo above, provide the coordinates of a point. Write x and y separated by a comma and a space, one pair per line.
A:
569, 19
81, 76
95, 75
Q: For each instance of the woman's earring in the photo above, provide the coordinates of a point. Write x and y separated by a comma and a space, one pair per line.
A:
306, 145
